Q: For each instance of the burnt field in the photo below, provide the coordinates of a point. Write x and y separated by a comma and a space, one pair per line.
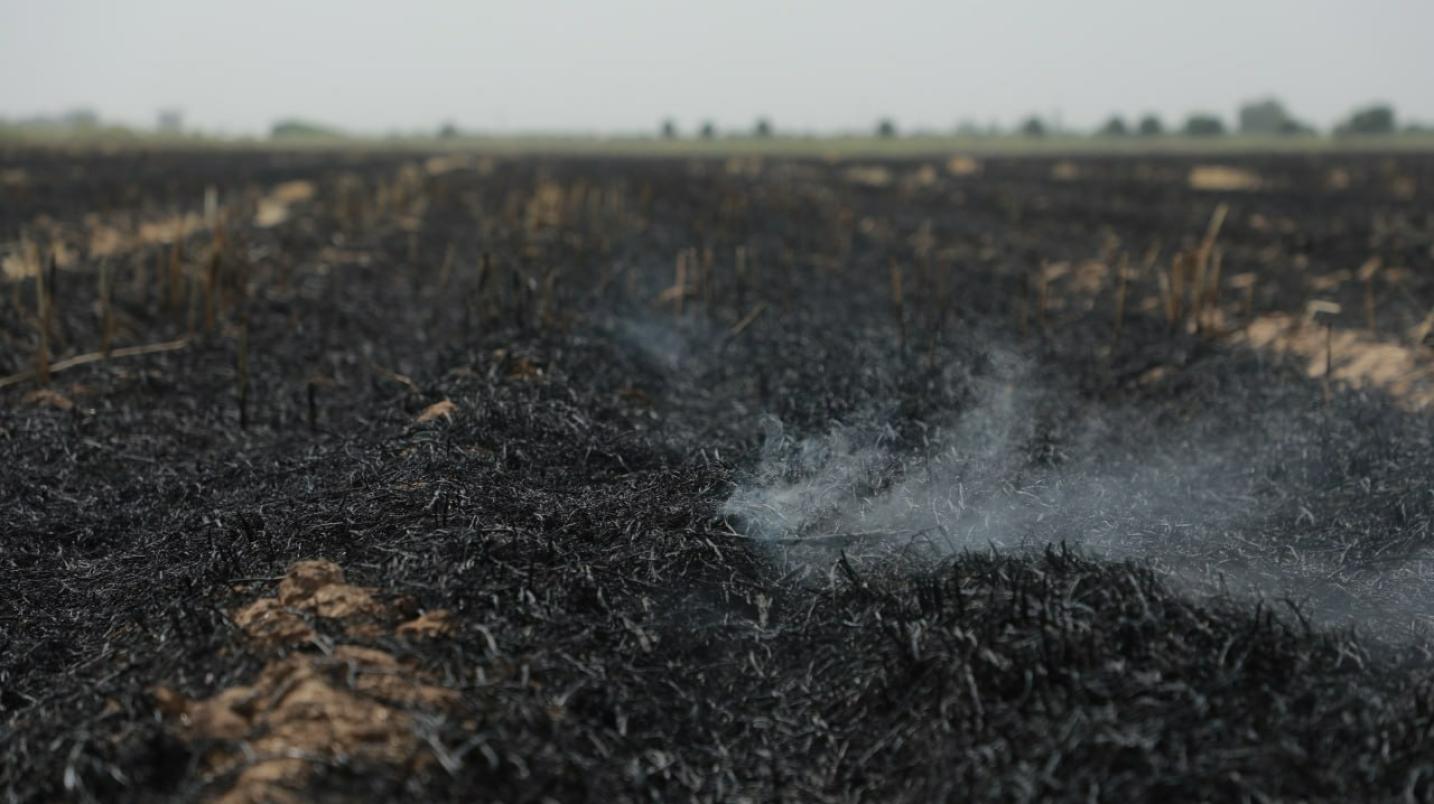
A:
334, 476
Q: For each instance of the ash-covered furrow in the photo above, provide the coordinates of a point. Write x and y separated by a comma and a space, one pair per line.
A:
525, 479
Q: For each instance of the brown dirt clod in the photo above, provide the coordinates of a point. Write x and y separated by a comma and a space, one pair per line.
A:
341, 707
304, 710
315, 588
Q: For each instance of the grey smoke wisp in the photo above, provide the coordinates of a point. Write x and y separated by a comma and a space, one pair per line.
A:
1194, 496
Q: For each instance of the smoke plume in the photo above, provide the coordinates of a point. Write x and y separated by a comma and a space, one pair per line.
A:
1222, 502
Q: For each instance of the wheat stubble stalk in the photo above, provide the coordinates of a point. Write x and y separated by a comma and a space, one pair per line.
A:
1122, 278
107, 322
1367, 273
898, 306
42, 320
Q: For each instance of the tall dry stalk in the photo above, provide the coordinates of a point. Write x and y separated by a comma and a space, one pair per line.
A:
242, 372
679, 283
54, 325
1201, 266
546, 313
145, 281
1367, 272
172, 297
1023, 305
941, 308
708, 260
313, 398
1042, 295
1122, 278
107, 321
445, 271
1212, 229
42, 320
1207, 317
211, 290
741, 268
191, 291
1172, 290
1325, 311
898, 306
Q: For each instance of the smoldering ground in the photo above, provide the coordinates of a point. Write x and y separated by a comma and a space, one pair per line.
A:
1231, 473
610, 639
1277, 494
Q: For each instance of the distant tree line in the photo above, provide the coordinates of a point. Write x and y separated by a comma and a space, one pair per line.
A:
1263, 117
1266, 117
294, 128
86, 123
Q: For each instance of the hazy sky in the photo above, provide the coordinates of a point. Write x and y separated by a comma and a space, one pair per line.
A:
623, 65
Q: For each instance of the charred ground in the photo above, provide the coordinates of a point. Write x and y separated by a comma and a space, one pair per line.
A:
615, 338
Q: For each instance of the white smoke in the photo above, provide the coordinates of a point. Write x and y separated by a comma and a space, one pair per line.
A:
1184, 496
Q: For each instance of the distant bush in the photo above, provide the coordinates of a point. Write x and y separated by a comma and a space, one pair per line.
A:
1203, 125
448, 131
301, 129
169, 122
1150, 126
669, 129
1033, 127
886, 128
82, 119
1265, 117
1269, 116
709, 130
1114, 127
763, 128
1376, 119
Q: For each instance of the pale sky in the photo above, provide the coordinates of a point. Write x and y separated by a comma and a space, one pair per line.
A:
624, 65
